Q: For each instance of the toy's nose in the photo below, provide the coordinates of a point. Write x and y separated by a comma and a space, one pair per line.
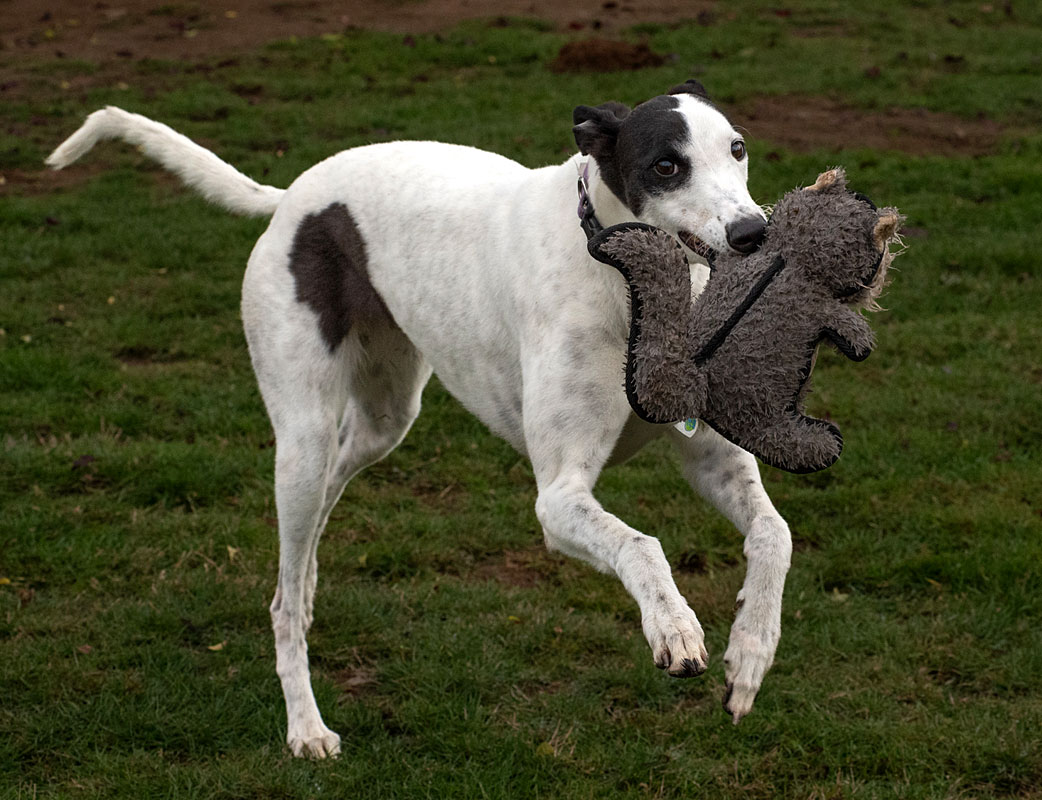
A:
746, 234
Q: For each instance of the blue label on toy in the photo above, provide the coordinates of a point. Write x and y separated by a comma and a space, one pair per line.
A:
687, 427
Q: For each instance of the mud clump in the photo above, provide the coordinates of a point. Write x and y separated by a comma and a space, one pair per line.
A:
604, 55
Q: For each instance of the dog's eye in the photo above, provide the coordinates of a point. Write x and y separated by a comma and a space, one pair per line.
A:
666, 168
738, 149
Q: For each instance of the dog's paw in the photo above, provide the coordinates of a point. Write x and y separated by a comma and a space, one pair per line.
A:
316, 742
677, 643
746, 661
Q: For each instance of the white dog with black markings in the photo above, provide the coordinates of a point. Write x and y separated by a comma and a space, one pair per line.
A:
385, 263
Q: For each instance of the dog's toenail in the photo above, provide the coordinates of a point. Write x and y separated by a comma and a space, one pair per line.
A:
692, 667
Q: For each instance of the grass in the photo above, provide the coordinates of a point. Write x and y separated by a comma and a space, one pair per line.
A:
137, 542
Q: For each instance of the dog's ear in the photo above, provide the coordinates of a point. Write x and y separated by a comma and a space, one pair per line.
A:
620, 110
690, 87
597, 127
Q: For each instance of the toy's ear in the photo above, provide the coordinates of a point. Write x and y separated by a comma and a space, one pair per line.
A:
690, 87
597, 127
833, 180
886, 227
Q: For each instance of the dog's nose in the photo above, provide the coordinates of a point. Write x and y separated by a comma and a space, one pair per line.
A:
746, 234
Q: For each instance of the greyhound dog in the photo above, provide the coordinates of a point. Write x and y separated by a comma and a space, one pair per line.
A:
387, 262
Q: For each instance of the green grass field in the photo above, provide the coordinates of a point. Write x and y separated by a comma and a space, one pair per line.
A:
456, 658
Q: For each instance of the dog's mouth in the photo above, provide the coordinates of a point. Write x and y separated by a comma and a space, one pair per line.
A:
697, 246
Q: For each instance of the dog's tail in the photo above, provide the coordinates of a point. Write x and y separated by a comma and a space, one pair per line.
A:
216, 180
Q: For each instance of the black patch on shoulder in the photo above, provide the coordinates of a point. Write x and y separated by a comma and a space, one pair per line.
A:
653, 131
329, 263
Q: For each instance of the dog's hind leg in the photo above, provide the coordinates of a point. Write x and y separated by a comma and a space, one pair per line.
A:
333, 414
729, 478
303, 405
383, 401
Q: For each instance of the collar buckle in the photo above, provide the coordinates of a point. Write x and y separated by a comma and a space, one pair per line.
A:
587, 216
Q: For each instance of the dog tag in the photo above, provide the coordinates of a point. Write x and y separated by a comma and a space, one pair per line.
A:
687, 427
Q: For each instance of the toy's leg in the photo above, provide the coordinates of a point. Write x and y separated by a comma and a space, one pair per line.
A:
801, 444
729, 478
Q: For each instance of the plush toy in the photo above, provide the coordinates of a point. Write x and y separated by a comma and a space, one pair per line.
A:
739, 358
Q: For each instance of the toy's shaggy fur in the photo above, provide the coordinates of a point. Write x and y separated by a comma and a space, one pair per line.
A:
740, 357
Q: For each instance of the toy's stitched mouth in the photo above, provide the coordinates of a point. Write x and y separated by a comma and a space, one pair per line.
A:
697, 246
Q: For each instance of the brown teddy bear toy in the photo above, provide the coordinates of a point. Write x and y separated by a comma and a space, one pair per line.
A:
739, 358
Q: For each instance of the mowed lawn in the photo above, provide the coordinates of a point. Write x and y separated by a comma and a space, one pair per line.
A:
456, 658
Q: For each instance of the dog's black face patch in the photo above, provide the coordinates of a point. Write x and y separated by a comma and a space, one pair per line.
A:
634, 153
653, 134
330, 266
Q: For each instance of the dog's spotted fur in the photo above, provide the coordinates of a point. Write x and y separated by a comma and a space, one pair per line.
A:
485, 278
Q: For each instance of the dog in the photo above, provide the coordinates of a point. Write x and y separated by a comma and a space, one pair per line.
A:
387, 262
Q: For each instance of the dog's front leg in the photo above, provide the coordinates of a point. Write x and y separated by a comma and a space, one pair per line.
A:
570, 430
729, 478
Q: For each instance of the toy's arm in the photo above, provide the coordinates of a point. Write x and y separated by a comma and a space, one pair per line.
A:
849, 332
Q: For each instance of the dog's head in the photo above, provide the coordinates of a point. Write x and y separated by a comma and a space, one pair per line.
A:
675, 162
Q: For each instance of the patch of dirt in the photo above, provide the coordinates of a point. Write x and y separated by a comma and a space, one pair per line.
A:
356, 680
604, 55
805, 123
142, 356
25, 182
696, 562
519, 568
442, 497
123, 30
